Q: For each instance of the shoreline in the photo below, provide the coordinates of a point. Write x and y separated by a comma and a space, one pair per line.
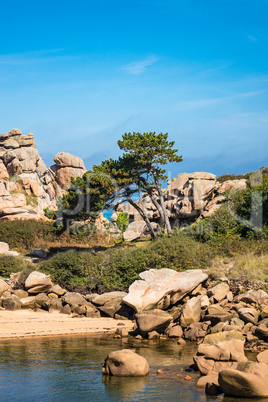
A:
27, 324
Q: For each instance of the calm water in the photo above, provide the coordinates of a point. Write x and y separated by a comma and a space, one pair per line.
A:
69, 369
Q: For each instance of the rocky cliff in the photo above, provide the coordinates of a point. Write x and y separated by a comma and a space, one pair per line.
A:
27, 186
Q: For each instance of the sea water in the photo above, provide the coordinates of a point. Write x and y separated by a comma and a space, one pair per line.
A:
69, 369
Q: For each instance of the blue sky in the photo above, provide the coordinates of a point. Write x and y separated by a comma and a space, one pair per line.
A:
79, 74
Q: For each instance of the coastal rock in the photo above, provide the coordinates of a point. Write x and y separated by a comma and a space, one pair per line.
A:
249, 380
191, 312
248, 314
153, 320
101, 300
219, 292
220, 351
3, 287
74, 299
125, 363
155, 284
216, 313
38, 282
196, 331
175, 332
12, 303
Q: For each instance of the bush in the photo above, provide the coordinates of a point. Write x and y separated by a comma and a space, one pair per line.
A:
25, 234
120, 266
69, 269
10, 265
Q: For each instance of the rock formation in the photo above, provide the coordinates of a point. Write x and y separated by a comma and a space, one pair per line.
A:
188, 197
27, 186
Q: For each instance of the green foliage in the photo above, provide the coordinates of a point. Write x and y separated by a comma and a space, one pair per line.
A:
118, 267
69, 269
122, 222
23, 234
251, 204
9, 265
85, 199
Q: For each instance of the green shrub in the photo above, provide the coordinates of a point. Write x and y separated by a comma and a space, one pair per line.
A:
118, 267
9, 265
70, 269
24, 234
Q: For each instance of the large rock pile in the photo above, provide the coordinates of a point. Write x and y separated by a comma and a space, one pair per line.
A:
27, 186
187, 197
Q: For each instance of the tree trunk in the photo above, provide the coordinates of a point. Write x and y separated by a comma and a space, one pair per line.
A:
154, 200
162, 203
144, 217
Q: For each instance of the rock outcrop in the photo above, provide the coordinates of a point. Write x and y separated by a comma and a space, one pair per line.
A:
27, 186
187, 197
162, 286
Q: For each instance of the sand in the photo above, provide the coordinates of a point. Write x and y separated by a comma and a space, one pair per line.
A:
26, 323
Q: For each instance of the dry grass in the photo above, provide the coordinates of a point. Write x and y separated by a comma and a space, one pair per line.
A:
250, 267
244, 267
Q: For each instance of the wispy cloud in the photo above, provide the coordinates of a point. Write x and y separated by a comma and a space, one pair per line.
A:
139, 67
252, 38
191, 105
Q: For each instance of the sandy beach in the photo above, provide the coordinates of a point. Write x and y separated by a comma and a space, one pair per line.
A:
22, 324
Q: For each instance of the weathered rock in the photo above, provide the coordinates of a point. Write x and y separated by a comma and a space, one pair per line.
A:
217, 313
249, 380
66, 309
124, 363
206, 365
101, 300
263, 357
64, 159
175, 332
42, 300
211, 377
219, 292
155, 284
225, 344
196, 331
261, 331
74, 299
191, 312
56, 305
12, 303
58, 290
259, 297
28, 302
20, 293
38, 252
154, 320
38, 282
4, 247
92, 312
248, 314
3, 286
134, 230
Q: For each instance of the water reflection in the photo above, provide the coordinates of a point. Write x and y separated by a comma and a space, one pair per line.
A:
124, 385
